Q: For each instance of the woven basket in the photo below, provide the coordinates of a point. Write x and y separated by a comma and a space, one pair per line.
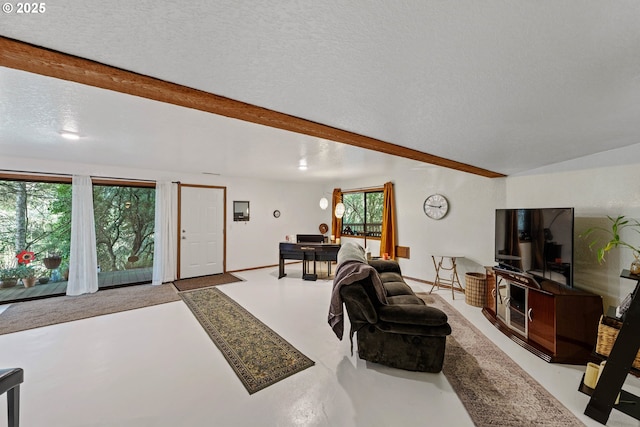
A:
52, 262
475, 290
608, 330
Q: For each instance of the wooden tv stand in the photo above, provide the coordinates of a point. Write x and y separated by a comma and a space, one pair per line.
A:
556, 323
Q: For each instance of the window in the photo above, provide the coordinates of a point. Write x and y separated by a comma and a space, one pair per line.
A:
363, 213
35, 216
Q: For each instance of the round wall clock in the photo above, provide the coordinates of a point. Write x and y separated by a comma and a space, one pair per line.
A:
436, 206
276, 214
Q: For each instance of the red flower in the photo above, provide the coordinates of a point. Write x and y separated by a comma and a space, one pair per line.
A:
25, 257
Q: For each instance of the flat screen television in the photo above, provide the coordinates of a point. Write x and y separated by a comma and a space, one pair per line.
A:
536, 241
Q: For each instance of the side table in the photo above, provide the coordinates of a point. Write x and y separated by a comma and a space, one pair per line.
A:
454, 281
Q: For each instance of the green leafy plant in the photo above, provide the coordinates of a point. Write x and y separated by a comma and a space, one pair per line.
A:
9, 273
27, 271
618, 224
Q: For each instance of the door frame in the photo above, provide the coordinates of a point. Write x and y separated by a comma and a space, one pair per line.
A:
224, 222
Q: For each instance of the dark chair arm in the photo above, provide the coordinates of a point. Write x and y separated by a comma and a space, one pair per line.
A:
412, 314
406, 329
353, 296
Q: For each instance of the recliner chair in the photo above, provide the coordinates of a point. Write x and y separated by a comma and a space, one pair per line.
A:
404, 333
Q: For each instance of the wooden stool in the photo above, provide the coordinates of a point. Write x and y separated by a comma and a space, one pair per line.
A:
454, 282
10, 380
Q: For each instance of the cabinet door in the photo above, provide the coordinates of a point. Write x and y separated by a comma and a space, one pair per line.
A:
541, 319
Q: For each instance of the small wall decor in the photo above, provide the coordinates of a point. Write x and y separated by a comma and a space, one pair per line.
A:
240, 211
436, 206
276, 213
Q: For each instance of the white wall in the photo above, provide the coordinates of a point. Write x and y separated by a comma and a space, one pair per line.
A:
467, 230
255, 243
594, 193
251, 244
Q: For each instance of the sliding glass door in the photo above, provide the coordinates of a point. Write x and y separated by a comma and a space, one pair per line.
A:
35, 234
124, 220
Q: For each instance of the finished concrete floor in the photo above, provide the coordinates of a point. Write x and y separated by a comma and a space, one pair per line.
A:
156, 366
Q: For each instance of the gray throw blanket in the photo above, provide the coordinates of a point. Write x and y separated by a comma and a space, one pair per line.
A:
351, 271
351, 251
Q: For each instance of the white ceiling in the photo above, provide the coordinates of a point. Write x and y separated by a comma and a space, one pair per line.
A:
507, 86
127, 131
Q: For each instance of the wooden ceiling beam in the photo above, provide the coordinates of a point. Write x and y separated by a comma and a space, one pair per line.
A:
34, 59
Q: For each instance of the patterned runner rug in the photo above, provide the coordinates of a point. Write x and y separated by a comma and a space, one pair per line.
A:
258, 355
493, 388
205, 281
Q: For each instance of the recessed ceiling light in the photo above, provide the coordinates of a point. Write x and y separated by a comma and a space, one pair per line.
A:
69, 135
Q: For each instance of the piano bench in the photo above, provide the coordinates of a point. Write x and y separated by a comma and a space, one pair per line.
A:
10, 380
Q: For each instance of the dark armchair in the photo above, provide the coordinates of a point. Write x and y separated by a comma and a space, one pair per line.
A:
402, 332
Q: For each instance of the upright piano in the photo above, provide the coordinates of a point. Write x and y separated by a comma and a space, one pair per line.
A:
308, 251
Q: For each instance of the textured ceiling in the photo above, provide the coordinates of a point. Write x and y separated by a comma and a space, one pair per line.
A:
508, 86
123, 130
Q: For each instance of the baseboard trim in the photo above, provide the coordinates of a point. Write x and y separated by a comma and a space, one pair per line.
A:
264, 266
427, 282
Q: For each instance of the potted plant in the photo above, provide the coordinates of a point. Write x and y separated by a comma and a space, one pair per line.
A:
52, 261
44, 278
64, 270
8, 277
28, 274
613, 233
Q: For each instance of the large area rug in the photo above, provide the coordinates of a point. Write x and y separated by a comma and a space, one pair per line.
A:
494, 389
49, 311
258, 355
205, 281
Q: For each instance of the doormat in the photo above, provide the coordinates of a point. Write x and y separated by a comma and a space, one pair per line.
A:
259, 356
493, 388
205, 281
49, 311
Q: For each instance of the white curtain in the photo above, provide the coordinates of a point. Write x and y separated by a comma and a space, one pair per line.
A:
83, 260
164, 241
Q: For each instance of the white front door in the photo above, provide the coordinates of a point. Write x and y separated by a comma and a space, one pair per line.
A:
201, 231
